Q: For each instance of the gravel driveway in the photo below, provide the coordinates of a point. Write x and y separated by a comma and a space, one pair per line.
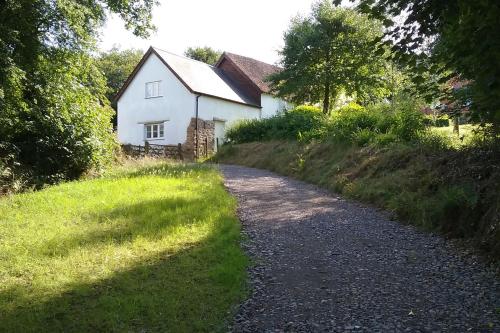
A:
323, 263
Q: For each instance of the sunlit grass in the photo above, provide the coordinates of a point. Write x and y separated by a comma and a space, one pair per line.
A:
464, 137
147, 248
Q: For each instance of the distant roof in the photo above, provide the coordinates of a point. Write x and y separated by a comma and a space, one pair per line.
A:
257, 71
198, 77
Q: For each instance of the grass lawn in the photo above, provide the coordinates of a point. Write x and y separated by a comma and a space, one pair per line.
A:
148, 248
464, 137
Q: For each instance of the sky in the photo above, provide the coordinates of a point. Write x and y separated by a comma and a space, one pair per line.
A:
251, 28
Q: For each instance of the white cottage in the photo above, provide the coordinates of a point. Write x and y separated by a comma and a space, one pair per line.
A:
170, 99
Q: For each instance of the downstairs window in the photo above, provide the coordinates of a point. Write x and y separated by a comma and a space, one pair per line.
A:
154, 131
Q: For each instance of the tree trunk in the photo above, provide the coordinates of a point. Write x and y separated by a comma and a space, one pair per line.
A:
326, 100
456, 126
328, 83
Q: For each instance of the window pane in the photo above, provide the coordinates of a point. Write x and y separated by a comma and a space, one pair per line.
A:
155, 89
149, 89
148, 131
155, 131
161, 130
158, 84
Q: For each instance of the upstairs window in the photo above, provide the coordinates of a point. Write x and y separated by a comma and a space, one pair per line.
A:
154, 131
153, 89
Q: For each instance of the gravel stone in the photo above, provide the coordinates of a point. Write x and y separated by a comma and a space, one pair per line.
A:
326, 264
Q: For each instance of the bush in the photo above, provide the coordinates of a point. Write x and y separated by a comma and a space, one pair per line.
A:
364, 126
64, 129
301, 123
441, 121
385, 139
379, 124
352, 124
408, 125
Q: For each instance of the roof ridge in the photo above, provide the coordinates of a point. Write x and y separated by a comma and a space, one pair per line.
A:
239, 55
184, 74
182, 56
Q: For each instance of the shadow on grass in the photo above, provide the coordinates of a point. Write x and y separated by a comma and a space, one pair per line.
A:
189, 290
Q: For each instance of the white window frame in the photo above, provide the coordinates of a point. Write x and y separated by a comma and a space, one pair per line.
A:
154, 131
155, 89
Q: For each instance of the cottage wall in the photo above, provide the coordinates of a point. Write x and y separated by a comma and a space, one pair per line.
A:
175, 108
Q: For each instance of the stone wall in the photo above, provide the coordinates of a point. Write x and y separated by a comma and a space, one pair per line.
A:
206, 134
151, 150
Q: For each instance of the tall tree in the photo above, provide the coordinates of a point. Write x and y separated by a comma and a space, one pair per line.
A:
116, 65
54, 116
205, 54
458, 38
329, 53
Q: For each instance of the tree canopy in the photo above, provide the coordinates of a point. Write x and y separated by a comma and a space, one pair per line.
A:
116, 65
454, 38
206, 54
54, 115
329, 53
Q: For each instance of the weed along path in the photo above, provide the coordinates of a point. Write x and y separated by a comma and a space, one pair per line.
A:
327, 264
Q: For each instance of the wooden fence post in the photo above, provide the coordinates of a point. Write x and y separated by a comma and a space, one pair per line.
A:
146, 148
179, 150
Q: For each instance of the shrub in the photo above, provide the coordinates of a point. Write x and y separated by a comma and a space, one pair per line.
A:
64, 129
303, 122
363, 126
385, 139
363, 137
377, 124
351, 107
441, 121
248, 131
408, 125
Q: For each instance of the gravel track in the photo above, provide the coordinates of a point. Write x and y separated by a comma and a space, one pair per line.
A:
326, 264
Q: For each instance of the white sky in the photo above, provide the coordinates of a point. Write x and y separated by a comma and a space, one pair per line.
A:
251, 28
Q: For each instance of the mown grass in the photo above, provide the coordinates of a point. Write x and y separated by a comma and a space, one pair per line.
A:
453, 191
148, 248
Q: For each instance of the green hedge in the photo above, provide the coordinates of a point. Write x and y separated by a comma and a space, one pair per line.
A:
379, 124
289, 125
441, 121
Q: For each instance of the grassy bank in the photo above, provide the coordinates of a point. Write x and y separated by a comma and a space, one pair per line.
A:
447, 190
151, 248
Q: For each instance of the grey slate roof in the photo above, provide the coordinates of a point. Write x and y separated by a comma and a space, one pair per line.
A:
202, 78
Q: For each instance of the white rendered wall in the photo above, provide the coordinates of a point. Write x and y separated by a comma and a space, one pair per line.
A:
272, 105
176, 106
211, 108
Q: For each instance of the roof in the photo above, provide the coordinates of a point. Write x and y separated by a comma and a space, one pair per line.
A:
198, 77
257, 71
